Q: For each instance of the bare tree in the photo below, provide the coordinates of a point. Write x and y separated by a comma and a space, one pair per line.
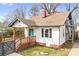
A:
17, 13
71, 11
68, 8
71, 21
50, 7
34, 10
20, 12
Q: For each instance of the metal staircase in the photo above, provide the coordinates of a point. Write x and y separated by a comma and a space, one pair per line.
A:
71, 29
68, 29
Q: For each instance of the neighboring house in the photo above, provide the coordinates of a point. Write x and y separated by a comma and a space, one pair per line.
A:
77, 26
49, 30
77, 30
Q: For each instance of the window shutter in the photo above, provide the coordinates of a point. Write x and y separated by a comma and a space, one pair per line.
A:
63, 32
50, 33
42, 32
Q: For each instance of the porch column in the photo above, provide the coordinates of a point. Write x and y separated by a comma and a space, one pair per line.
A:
27, 33
13, 33
14, 38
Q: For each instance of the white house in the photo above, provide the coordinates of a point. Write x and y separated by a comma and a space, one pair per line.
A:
49, 30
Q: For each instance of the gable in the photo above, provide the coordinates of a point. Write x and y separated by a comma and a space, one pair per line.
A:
19, 24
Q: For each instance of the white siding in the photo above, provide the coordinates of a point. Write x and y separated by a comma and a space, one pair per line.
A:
62, 35
55, 35
20, 24
48, 41
37, 33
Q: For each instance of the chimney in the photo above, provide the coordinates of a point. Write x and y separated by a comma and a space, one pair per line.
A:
43, 12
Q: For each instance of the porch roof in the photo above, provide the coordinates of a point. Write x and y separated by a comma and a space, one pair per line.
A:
27, 22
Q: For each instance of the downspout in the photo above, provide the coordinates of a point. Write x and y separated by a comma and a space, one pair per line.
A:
59, 36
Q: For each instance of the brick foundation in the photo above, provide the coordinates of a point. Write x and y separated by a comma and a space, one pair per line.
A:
51, 45
32, 42
41, 44
54, 46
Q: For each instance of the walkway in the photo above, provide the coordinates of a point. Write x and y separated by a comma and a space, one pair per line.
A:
75, 50
14, 54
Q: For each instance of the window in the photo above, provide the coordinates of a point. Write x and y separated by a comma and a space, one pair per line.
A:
46, 33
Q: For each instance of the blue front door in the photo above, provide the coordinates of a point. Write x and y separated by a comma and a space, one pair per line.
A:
31, 33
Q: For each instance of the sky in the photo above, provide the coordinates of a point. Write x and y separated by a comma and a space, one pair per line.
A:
7, 8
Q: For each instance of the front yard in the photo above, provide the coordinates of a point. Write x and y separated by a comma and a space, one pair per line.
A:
35, 51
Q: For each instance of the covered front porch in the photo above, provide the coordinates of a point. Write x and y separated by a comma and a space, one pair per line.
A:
22, 38
23, 35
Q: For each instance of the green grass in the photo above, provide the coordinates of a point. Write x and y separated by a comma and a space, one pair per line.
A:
34, 51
